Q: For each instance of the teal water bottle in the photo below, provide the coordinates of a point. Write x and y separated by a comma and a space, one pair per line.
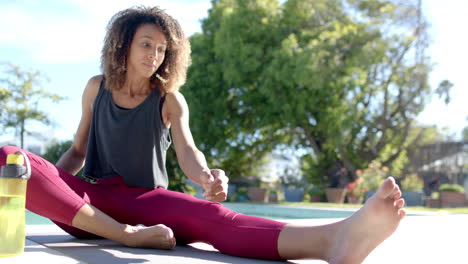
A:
13, 182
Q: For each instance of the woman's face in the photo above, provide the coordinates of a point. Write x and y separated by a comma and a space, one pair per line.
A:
146, 51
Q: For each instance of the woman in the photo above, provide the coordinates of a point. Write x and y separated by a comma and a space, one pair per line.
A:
122, 140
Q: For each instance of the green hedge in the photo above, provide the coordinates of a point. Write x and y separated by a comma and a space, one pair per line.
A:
451, 188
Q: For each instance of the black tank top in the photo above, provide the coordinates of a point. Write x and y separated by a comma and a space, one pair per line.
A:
131, 143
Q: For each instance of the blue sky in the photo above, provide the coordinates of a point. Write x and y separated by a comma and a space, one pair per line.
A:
63, 38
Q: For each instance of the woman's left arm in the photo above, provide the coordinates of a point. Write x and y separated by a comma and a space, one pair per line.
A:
191, 160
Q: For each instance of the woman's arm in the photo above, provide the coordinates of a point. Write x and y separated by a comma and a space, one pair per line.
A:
191, 160
73, 159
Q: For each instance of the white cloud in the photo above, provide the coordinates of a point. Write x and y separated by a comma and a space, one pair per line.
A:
187, 12
57, 37
50, 38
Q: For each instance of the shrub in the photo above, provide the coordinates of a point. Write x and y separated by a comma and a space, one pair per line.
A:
240, 195
451, 188
356, 188
316, 191
373, 176
56, 149
242, 191
412, 183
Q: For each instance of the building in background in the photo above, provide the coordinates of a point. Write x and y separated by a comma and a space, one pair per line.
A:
35, 142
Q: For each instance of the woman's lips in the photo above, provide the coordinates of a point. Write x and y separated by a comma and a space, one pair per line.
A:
148, 65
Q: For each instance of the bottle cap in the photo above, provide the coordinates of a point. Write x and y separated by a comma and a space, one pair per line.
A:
15, 159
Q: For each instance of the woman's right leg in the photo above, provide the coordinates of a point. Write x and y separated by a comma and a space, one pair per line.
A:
349, 240
49, 194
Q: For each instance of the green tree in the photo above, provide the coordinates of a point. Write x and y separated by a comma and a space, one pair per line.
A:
177, 178
343, 79
219, 122
21, 94
56, 149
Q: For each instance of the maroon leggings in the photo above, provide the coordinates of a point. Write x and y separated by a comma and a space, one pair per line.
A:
58, 195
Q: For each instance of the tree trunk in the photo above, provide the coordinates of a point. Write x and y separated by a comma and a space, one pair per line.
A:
22, 131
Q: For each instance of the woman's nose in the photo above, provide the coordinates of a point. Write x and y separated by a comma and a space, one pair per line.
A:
153, 54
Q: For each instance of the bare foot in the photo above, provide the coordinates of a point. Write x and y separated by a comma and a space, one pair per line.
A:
361, 233
157, 236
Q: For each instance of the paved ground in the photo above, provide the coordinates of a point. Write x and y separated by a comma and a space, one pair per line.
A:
420, 239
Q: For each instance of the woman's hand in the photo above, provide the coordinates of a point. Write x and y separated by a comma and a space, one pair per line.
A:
215, 184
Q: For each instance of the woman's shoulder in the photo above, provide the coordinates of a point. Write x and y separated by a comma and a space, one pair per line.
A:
92, 88
95, 81
175, 102
174, 96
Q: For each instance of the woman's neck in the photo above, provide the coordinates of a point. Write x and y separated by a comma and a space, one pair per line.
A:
136, 86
